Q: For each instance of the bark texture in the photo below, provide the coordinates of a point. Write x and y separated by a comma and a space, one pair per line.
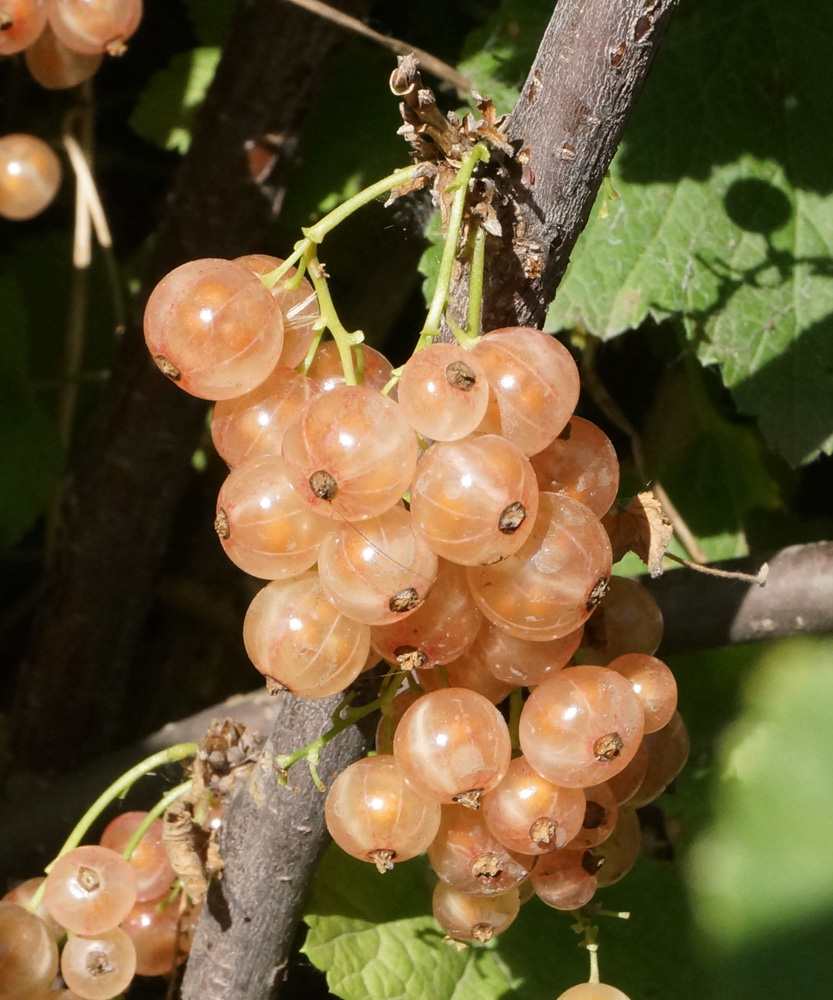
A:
135, 460
272, 839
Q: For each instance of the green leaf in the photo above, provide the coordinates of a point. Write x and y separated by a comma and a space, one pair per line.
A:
30, 456
429, 262
168, 106
761, 876
724, 216
498, 55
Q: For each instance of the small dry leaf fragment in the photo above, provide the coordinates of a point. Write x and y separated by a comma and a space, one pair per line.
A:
641, 527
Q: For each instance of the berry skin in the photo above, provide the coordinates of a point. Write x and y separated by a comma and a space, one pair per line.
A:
213, 328
99, 967
28, 953
90, 890
91, 26
30, 175
443, 392
56, 67
154, 874
474, 918
592, 991
22, 21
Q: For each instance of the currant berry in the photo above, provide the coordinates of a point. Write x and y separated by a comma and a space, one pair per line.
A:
580, 463
625, 784
565, 879
390, 721
30, 175
552, 584
99, 967
452, 745
21, 21
149, 859
378, 571
440, 629
263, 525
298, 306
617, 854
531, 815
534, 386
518, 661
667, 753
475, 500
627, 620
581, 726
338, 459
90, 890
374, 815
253, 424
28, 953
373, 370
592, 991
443, 392
213, 328
21, 894
653, 684
91, 26
56, 67
297, 638
474, 918
154, 929
467, 856
600, 815
465, 672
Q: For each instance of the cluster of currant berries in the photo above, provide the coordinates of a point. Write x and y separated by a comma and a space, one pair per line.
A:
64, 41
117, 917
444, 518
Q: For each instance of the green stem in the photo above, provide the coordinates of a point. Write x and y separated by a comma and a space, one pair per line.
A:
439, 300
155, 813
329, 318
312, 751
478, 262
317, 232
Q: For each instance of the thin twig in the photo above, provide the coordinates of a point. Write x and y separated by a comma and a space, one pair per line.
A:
430, 64
759, 578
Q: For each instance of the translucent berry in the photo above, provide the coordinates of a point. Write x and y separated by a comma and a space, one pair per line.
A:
254, 424
350, 453
149, 860
373, 369
534, 386
667, 753
56, 67
294, 636
521, 662
21, 22
213, 328
617, 854
30, 175
99, 967
154, 929
474, 918
95, 25
298, 306
374, 815
625, 784
28, 953
653, 684
565, 879
580, 463
440, 629
452, 745
465, 672
627, 620
600, 814
389, 722
21, 894
465, 854
475, 500
551, 585
443, 392
581, 726
90, 889
263, 525
531, 815
592, 991
379, 570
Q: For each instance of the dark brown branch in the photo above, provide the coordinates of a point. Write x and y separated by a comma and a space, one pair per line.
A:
272, 840
584, 83
72, 699
707, 613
